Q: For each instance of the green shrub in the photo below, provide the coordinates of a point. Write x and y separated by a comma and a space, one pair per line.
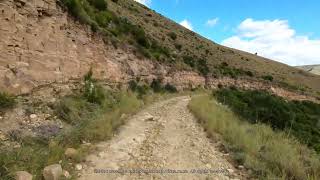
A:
6, 101
133, 85
249, 73
93, 92
98, 4
202, 67
267, 77
189, 61
170, 88
103, 18
172, 35
156, 85
226, 70
77, 9
158, 49
140, 36
74, 109
178, 46
298, 118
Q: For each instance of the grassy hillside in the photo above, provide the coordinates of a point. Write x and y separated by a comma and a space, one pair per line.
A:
268, 153
130, 24
297, 118
315, 69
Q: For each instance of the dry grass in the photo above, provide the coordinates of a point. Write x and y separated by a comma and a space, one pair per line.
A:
269, 154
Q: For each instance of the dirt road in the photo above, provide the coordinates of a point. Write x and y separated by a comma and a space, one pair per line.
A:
164, 137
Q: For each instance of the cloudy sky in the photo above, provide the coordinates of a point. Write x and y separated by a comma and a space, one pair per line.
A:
287, 31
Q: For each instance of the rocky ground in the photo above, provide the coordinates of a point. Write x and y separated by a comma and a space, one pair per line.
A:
164, 136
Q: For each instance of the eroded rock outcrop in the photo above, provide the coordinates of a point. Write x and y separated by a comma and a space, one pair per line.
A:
40, 44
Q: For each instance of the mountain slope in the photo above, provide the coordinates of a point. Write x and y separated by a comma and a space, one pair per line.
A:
198, 47
45, 42
315, 69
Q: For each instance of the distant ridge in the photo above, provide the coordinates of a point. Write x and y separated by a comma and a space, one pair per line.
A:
315, 69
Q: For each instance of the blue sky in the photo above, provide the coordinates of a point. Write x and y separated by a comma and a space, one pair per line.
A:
284, 30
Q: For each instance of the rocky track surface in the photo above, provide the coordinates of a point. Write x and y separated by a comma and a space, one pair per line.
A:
164, 137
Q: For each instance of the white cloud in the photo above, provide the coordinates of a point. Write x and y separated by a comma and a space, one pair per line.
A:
212, 22
186, 24
275, 39
144, 2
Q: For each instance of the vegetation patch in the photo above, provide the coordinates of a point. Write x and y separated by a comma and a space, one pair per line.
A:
268, 78
6, 101
225, 70
298, 118
269, 154
96, 14
156, 86
199, 64
93, 113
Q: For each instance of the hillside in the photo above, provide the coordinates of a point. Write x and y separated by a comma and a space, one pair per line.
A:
315, 69
88, 84
199, 48
42, 44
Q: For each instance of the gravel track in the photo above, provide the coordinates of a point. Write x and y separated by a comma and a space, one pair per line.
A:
164, 136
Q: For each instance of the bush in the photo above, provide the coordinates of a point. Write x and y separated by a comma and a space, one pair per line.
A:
156, 85
178, 46
99, 4
103, 18
170, 88
299, 118
133, 85
75, 109
249, 73
81, 10
158, 49
189, 61
267, 77
142, 90
6, 101
93, 92
202, 67
172, 35
140, 36
226, 70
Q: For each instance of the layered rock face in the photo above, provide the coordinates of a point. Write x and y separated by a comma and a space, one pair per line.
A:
40, 44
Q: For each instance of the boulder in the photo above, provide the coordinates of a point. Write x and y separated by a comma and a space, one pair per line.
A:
23, 175
71, 153
52, 172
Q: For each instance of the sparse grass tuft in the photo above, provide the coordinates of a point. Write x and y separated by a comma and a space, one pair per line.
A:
6, 101
268, 153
